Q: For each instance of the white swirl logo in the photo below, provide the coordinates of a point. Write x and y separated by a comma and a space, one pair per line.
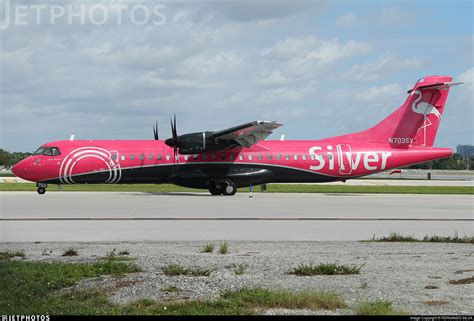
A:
70, 161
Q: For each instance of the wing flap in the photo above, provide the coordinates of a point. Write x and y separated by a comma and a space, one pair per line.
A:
247, 134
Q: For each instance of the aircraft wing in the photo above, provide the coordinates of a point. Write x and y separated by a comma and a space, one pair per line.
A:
246, 134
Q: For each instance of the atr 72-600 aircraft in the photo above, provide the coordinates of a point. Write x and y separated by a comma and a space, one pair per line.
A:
222, 161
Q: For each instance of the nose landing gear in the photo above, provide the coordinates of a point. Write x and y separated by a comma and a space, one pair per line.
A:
225, 187
41, 188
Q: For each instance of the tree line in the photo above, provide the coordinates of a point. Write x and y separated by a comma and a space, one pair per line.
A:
8, 159
455, 162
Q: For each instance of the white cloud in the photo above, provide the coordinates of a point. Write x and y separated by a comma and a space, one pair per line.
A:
380, 95
346, 20
215, 63
291, 47
309, 48
381, 68
332, 50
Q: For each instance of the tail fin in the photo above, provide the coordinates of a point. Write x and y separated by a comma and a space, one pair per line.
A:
416, 121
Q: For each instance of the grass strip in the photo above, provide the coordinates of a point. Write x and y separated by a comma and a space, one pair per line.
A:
396, 237
271, 188
28, 287
377, 307
31, 288
324, 269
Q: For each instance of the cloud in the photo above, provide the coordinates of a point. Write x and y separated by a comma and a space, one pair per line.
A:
309, 48
251, 10
346, 20
381, 68
380, 95
305, 58
217, 64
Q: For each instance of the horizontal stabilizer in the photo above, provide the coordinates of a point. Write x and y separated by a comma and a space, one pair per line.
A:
441, 85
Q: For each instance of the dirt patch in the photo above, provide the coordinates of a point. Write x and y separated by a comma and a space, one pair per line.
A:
462, 281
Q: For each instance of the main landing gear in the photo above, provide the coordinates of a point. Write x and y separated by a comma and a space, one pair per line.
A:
41, 188
225, 187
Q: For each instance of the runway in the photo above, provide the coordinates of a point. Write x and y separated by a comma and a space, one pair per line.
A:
111, 216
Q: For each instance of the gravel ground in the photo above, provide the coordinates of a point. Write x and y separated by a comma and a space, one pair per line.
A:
399, 272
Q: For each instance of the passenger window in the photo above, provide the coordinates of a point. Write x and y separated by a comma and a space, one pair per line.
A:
122, 157
241, 157
260, 156
295, 157
195, 156
150, 156
213, 156
114, 157
141, 156
278, 156
304, 157
204, 156
132, 156
158, 157
231, 157
223, 157
250, 157
186, 157
168, 157
287, 157
269, 156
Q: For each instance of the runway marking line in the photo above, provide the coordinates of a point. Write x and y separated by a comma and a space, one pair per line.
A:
236, 219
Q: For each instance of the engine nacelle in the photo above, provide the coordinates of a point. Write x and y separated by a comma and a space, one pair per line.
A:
196, 143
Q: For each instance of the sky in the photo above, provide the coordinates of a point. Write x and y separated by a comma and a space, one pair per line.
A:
110, 69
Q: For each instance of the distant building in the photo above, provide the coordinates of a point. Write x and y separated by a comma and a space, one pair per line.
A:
465, 150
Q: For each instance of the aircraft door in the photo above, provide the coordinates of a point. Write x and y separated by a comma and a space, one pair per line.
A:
344, 155
114, 158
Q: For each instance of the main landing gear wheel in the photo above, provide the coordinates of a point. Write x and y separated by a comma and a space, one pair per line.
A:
230, 188
214, 190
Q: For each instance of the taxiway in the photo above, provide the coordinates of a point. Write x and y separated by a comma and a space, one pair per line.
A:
113, 216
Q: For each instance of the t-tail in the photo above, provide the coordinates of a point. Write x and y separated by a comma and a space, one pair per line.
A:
416, 122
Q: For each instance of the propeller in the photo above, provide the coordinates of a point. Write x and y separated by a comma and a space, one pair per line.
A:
174, 141
155, 131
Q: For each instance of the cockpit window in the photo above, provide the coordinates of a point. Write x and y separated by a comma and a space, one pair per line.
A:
48, 151
39, 151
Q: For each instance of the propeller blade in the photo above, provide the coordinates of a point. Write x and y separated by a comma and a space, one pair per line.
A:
155, 131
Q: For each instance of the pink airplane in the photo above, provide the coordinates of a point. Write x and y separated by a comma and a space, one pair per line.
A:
222, 161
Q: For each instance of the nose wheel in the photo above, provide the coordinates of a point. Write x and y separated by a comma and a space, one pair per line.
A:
41, 188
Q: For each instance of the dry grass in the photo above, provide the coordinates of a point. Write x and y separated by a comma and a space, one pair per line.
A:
324, 269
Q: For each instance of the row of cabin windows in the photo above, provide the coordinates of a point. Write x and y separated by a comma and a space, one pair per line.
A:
222, 157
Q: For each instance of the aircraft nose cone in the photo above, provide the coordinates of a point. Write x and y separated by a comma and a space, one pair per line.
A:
14, 169
19, 169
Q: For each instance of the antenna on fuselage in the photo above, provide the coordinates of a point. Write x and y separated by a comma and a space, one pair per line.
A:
282, 138
72, 137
